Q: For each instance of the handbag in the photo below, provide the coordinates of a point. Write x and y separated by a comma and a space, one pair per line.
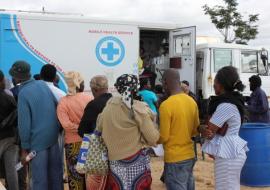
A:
97, 156
80, 166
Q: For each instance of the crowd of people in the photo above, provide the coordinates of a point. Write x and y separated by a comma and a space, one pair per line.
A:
36, 115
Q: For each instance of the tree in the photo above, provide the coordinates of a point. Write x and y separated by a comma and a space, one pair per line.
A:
231, 24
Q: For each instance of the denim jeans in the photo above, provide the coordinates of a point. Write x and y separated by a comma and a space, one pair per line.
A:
47, 169
179, 175
9, 152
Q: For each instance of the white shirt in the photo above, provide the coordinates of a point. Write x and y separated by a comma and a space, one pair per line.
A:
231, 145
58, 93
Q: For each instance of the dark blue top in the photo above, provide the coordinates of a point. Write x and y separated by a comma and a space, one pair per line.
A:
258, 107
37, 120
15, 91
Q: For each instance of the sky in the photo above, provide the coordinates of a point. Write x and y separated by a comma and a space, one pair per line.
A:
183, 12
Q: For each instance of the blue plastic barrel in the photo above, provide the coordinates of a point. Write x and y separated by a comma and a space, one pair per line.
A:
256, 171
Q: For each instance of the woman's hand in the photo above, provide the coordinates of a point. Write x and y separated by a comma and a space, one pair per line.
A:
208, 134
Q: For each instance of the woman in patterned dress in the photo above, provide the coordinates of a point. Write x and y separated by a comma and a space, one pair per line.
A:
69, 111
226, 112
127, 126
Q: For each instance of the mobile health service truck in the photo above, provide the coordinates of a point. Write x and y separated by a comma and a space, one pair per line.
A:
112, 48
92, 46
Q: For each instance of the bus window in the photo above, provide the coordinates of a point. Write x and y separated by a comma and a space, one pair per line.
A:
222, 58
249, 60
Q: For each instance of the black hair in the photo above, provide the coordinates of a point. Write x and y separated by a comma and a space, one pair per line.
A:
48, 73
143, 83
2, 76
229, 78
255, 81
159, 89
185, 82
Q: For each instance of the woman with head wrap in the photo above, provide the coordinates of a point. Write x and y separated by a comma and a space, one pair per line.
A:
127, 127
70, 110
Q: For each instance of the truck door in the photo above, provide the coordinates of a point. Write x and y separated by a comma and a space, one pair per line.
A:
182, 52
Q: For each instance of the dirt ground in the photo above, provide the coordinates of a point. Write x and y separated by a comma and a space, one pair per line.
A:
203, 171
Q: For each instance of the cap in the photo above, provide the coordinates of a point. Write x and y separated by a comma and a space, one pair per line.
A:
20, 70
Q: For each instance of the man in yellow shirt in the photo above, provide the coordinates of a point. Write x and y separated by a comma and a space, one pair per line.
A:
179, 120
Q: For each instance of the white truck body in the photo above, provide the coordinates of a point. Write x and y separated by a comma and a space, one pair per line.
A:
99, 47
89, 46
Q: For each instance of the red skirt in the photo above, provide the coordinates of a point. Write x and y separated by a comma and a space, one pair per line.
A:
95, 182
132, 173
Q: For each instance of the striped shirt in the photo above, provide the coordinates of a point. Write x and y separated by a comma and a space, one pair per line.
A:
231, 145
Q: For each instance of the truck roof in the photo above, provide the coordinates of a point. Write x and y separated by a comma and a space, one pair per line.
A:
70, 17
226, 46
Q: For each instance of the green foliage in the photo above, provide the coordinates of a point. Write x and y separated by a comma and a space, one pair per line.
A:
231, 24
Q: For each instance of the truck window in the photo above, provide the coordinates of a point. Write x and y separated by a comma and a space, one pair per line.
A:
262, 67
249, 61
199, 70
182, 45
222, 58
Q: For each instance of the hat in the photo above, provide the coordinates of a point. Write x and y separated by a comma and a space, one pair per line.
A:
20, 70
73, 80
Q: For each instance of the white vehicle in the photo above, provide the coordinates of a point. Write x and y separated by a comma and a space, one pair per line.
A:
111, 48
90, 46
213, 56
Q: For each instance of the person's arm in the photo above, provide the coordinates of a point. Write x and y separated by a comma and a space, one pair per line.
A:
156, 105
196, 122
218, 120
155, 101
24, 122
99, 123
265, 103
146, 125
64, 119
165, 124
88, 121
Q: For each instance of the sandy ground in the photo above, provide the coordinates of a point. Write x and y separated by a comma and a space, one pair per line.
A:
203, 171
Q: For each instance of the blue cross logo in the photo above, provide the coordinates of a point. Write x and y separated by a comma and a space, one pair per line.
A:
110, 51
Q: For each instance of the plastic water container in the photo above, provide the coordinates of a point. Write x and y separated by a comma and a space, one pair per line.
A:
256, 171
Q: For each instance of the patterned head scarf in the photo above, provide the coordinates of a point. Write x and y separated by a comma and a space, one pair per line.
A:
127, 85
73, 80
